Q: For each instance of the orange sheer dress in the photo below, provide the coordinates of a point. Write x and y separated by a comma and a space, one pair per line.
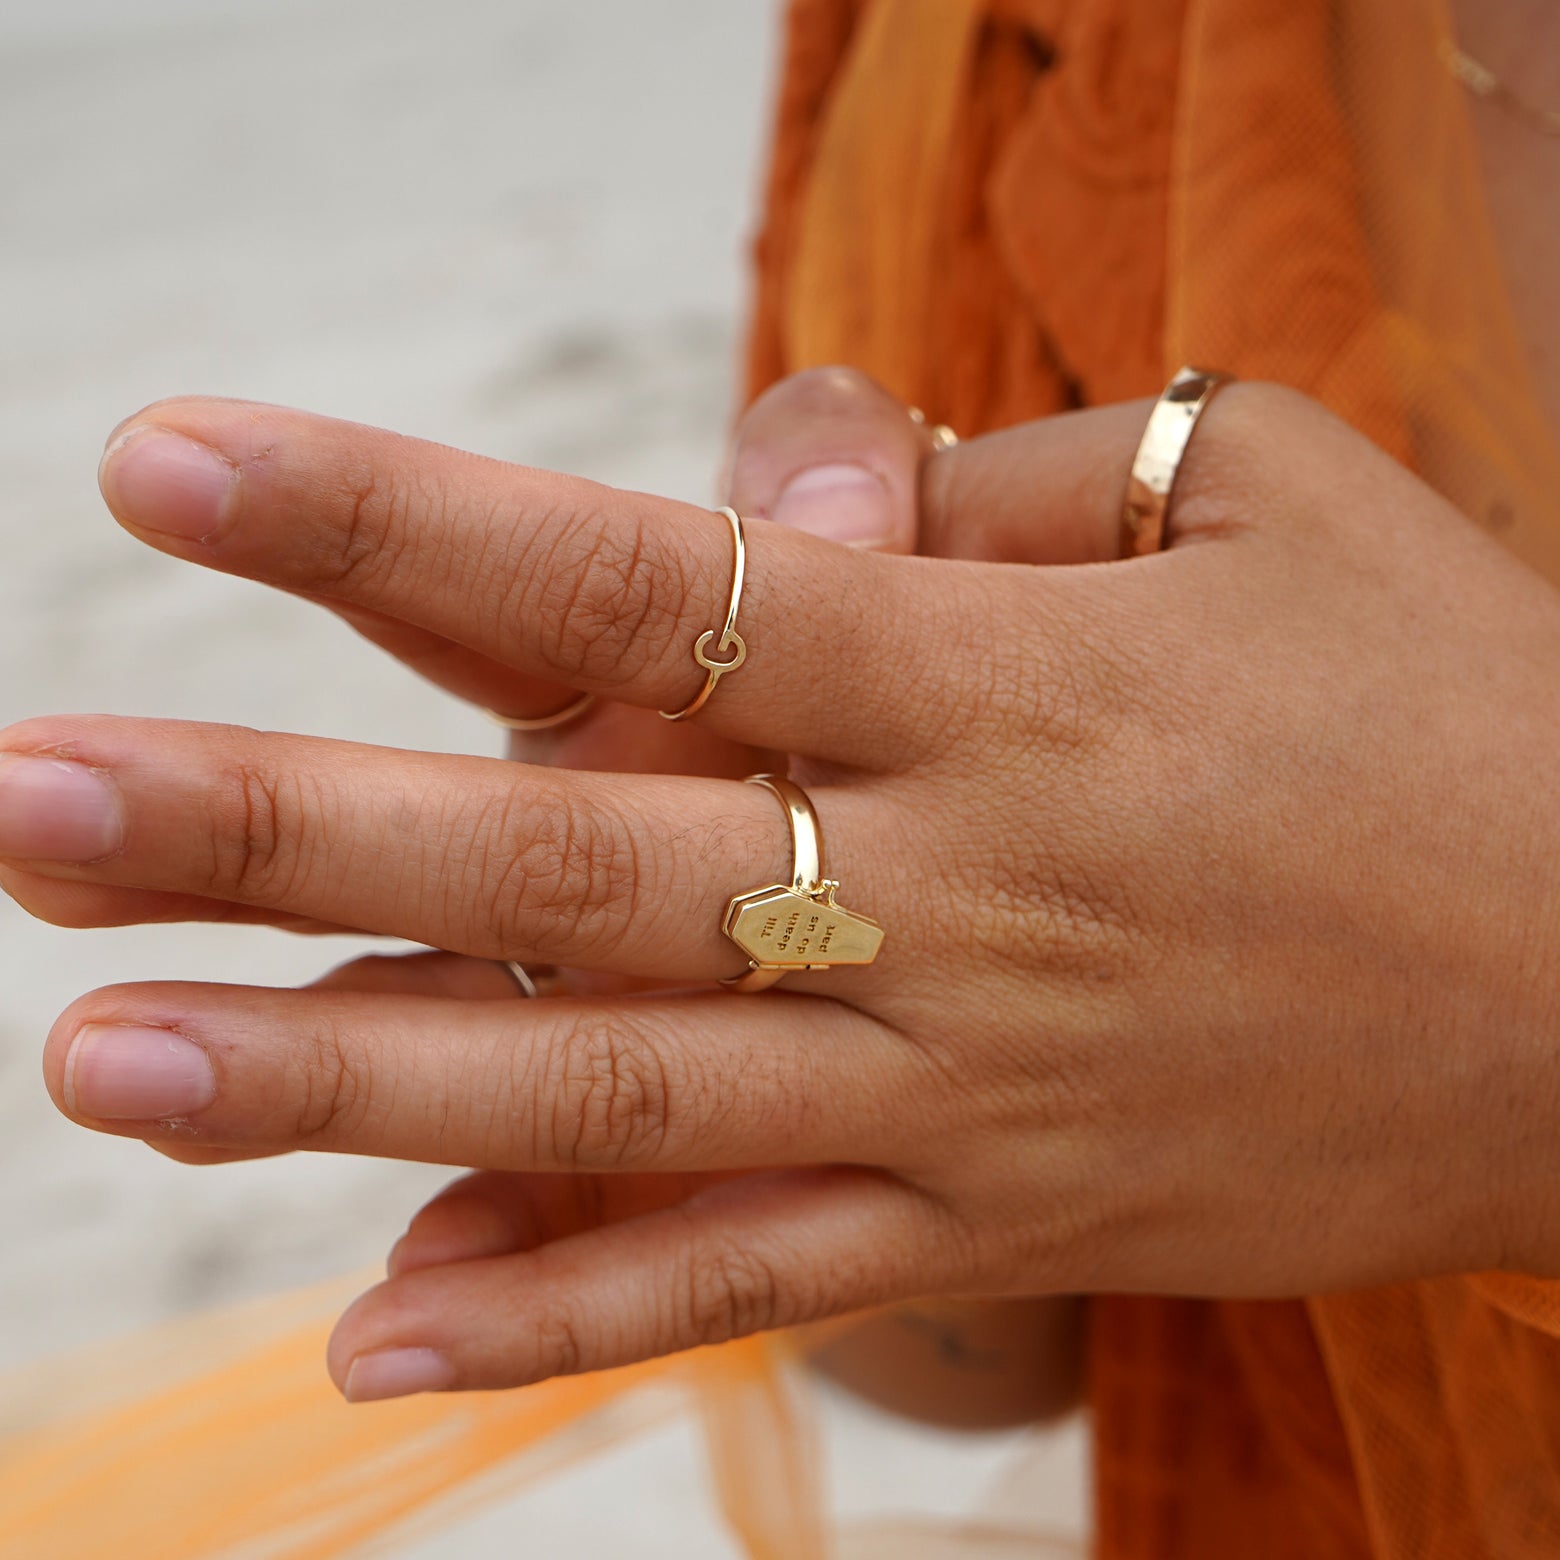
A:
1002, 208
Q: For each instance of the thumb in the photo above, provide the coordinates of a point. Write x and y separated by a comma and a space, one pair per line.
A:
831, 452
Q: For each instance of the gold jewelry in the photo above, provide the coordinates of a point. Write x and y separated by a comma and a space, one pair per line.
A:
518, 973
796, 926
942, 436
544, 722
1482, 82
1158, 459
730, 640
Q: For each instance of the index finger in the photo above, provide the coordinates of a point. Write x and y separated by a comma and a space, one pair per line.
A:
560, 578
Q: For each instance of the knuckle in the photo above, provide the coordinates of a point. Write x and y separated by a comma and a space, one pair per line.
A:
568, 879
1051, 691
608, 1096
604, 599
731, 1291
334, 1091
560, 1350
1048, 691
259, 850
358, 554
1077, 925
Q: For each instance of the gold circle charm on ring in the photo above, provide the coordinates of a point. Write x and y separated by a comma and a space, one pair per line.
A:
784, 927
730, 643
1158, 459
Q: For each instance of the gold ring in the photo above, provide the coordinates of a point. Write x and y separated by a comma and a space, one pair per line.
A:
942, 436
517, 972
730, 642
1158, 458
547, 982
784, 927
544, 722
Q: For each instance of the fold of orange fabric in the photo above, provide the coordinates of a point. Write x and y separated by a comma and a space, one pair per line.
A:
869, 219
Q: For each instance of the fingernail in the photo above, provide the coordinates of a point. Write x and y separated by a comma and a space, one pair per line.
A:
125, 1074
158, 480
54, 810
393, 1373
842, 502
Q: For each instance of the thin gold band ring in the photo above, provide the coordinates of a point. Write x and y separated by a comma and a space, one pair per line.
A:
730, 642
518, 973
544, 722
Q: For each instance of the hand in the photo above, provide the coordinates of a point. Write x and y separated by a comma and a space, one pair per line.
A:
1217, 888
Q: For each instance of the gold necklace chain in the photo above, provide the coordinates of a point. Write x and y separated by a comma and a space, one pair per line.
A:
1484, 83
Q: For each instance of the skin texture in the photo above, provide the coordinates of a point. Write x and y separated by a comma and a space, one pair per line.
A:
1218, 887
964, 1364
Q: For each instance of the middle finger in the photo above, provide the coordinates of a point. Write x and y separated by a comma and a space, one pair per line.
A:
482, 856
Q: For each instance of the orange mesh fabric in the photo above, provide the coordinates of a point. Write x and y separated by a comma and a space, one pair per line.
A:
220, 1437
1288, 189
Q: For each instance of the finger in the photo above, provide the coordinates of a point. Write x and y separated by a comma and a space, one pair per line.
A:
473, 855
198, 1157
468, 675
752, 1253
831, 452
605, 736
78, 905
1052, 491
667, 1083
827, 451
556, 577
412, 974
493, 1213
617, 738
428, 973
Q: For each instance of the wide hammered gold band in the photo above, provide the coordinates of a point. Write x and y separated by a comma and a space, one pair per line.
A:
730, 641
1158, 459
784, 927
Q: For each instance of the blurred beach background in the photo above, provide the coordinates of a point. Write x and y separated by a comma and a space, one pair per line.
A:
517, 226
